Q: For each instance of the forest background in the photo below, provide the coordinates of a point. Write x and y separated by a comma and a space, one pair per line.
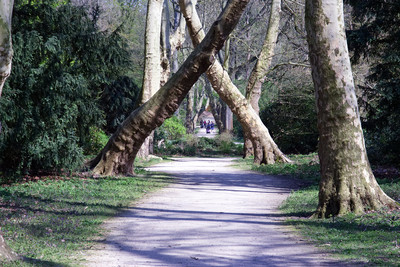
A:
78, 67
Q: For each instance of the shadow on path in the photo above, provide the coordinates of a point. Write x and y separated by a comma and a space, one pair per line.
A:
213, 215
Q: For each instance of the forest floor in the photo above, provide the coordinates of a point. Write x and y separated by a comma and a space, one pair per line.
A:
213, 215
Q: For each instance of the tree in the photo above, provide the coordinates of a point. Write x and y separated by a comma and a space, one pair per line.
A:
118, 156
152, 67
374, 40
6, 52
265, 149
262, 66
347, 182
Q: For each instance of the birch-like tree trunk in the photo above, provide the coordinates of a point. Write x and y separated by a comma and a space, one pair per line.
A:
347, 182
262, 66
152, 62
118, 156
6, 53
189, 112
265, 149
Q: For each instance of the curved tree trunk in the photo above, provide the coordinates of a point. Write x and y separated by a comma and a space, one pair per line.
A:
347, 182
262, 66
265, 149
118, 155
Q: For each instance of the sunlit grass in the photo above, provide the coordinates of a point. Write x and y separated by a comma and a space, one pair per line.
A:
373, 237
48, 222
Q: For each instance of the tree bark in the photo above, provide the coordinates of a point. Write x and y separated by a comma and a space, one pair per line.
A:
265, 149
6, 254
262, 66
6, 52
347, 182
215, 106
189, 111
152, 66
118, 155
199, 107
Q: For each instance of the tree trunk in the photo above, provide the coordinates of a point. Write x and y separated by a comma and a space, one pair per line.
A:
152, 66
165, 45
189, 111
215, 106
347, 183
6, 54
265, 149
262, 66
118, 155
6, 51
199, 107
6, 254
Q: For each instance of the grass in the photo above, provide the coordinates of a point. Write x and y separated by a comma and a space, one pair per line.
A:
305, 167
49, 222
373, 237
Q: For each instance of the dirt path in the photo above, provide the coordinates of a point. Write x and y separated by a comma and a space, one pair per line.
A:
214, 215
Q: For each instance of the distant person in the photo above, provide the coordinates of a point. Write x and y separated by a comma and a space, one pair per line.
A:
212, 126
201, 124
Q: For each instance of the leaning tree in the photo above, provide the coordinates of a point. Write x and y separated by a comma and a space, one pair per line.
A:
347, 182
118, 156
265, 149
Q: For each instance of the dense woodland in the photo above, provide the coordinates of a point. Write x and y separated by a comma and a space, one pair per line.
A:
80, 75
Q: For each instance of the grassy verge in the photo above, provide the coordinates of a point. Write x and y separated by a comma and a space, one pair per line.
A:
49, 221
373, 237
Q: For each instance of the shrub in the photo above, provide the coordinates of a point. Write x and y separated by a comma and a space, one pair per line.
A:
171, 129
62, 62
97, 140
225, 142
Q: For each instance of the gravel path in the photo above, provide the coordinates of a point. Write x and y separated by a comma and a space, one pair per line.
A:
214, 215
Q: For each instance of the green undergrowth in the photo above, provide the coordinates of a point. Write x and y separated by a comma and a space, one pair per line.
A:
373, 237
304, 167
48, 222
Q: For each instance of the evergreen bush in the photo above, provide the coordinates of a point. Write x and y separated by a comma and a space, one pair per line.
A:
62, 62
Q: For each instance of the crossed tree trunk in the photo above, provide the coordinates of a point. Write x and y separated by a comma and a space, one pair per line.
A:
262, 66
265, 149
117, 157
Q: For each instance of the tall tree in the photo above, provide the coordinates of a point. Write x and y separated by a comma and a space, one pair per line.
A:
152, 66
6, 7
347, 182
265, 149
262, 66
6, 52
118, 155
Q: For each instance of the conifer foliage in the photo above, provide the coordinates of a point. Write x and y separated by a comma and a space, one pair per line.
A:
375, 38
62, 64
